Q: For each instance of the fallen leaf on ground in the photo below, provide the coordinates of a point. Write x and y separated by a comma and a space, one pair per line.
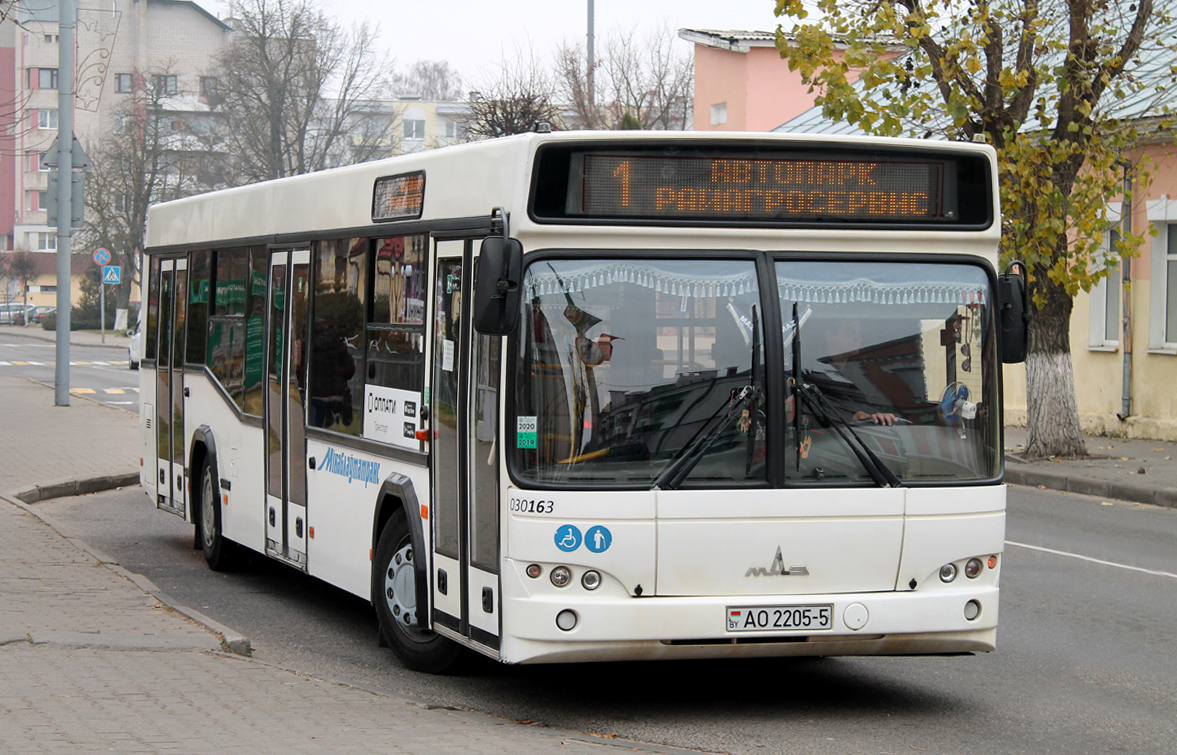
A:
1106, 503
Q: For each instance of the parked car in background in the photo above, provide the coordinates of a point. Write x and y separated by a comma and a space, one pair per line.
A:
13, 313
37, 314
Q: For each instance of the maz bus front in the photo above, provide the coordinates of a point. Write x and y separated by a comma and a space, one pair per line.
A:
576, 397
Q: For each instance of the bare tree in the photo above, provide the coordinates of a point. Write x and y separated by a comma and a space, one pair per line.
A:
158, 151
22, 268
640, 83
522, 97
292, 83
431, 80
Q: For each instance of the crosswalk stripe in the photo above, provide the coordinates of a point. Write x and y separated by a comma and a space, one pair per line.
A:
81, 390
85, 363
5, 364
117, 391
22, 364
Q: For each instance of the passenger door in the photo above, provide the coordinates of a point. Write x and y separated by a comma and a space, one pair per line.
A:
464, 456
284, 407
172, 490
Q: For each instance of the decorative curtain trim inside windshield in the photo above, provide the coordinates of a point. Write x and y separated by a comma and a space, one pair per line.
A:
541, 283
865, 290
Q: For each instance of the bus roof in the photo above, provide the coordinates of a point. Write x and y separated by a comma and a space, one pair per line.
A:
461, 181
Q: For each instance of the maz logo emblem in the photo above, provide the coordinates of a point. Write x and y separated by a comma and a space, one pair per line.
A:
777, 569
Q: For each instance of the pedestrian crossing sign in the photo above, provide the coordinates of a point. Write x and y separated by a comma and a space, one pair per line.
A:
112, 274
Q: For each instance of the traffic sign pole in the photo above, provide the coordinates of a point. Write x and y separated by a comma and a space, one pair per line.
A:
67, 17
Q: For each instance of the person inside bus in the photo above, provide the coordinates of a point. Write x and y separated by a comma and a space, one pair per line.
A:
839, 344
332, 367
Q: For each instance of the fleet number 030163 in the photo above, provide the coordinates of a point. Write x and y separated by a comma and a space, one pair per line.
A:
761, 618
528, 506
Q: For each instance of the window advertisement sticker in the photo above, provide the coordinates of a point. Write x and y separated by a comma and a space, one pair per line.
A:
447, 355
525, 432
392, 416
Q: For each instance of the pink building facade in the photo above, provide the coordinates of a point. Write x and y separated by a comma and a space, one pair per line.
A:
742, 83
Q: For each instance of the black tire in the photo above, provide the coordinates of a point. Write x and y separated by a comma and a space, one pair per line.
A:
219, 552
394, 595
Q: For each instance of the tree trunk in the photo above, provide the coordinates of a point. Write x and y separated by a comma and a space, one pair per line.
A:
1052, 412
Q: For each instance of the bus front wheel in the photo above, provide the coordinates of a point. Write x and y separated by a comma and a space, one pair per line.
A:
394, 594
218, 550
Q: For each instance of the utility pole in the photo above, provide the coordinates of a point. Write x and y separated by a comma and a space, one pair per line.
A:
66, 22
591, 57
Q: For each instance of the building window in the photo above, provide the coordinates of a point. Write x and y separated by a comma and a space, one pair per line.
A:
1169, 281
1162, 305
37, 162
1106, 296
47, 120
208, 86
34, 200
51, 39
42, 78
415, 130
719, 114
46, 242
165, 84
124, 83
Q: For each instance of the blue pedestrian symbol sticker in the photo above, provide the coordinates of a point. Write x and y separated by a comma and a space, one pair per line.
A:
567, 538
598, 539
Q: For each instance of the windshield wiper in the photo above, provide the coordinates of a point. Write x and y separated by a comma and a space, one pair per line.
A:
819, 405
678, 469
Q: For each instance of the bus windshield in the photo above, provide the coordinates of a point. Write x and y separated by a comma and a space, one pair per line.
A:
635, 371
898, 355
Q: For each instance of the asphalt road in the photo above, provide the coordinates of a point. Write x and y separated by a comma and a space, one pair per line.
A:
96, 372
1085, 660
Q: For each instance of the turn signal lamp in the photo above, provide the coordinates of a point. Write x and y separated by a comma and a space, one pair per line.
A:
993, 562
534, 570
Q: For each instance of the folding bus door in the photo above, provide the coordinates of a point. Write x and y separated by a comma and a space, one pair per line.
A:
172, 492
285, 410
464, 458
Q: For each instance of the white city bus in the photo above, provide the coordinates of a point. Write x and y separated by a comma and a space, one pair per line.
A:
601, 396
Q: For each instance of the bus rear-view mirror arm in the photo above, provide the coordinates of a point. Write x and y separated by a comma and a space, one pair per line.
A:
1013, 312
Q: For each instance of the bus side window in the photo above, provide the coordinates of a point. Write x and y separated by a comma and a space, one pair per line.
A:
336, 372
396, 335
226, 326
198, 280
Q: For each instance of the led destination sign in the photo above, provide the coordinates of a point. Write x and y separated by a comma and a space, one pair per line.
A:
859, 186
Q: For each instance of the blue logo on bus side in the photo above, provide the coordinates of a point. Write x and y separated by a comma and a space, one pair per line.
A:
567, 538
598, 539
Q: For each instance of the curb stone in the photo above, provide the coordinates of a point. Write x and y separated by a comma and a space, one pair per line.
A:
229, 640
1021, 474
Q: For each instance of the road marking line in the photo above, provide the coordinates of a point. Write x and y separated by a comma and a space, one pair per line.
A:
5, 364
21, 364
81, 390
85, 363
100, 364
1092, 560
113, 390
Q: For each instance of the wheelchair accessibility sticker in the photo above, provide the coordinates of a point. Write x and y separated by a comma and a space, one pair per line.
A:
568, 538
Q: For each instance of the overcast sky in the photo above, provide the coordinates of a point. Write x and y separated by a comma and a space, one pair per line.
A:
475, 35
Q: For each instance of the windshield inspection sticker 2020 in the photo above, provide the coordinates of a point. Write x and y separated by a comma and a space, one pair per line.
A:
525, 432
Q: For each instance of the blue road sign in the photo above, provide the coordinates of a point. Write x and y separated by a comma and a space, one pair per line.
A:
112, 274
101, 256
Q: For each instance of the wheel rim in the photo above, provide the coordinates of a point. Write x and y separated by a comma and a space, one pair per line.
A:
207, 510
400, 593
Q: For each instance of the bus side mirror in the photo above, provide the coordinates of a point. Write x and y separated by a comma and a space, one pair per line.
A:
498, 287
1013, 303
